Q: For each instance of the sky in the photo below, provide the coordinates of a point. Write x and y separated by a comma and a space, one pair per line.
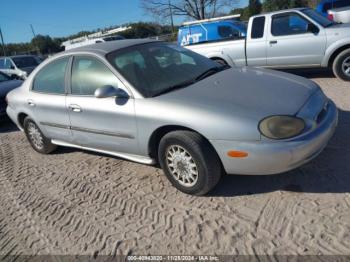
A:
65, 17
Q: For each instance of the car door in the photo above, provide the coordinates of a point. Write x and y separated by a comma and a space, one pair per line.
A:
256, 42
47, 100
294, 40
7, 66
100, 123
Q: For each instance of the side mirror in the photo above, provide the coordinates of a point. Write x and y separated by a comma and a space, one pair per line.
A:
12, 67
110, 91
313, 29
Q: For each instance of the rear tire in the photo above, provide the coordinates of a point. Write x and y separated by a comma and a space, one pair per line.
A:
341, 65
189, 162
36, 138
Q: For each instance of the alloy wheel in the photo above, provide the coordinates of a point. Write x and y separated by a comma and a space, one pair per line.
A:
35, 136
182, 165
346, 66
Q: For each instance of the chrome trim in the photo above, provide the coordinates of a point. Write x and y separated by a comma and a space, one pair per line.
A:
100, 132
93, 131
54, 125
135, 158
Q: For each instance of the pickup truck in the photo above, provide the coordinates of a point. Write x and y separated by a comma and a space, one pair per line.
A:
340, 15
293, 38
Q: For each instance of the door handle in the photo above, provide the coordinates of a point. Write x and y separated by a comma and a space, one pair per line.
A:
31, 102
273, 42
75, 108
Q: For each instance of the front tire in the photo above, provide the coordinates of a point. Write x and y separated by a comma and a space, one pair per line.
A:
341, 65
220, 61
189, 162
36, 138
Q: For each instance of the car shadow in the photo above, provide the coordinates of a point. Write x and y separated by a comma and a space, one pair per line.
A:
311, 72
7, 126
327, 173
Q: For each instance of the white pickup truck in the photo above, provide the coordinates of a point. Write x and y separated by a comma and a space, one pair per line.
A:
294, 38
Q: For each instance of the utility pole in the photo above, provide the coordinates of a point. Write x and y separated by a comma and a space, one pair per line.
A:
31, 27
3, 44
34, 35
171, 16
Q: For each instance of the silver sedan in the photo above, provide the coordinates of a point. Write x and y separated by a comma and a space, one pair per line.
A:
154, 102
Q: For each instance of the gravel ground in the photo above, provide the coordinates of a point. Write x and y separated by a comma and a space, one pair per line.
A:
76, 202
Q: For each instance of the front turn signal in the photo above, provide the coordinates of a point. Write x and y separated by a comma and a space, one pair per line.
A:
234, 153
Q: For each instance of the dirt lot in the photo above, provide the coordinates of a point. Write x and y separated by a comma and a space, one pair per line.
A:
76, 202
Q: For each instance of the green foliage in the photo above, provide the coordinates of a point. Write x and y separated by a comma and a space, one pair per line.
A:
45, 44
143, 30
254, 7
274, 5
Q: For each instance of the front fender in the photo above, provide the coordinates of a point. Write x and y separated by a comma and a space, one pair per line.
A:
221, 55
333, 48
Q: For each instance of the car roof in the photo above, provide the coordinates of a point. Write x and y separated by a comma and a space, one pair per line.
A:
107, 47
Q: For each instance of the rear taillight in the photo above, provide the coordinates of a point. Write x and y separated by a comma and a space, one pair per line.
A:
330, 17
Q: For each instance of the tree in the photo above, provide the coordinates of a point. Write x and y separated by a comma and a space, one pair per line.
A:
143, 30
45, 44
274, 5
254, 7
197, 9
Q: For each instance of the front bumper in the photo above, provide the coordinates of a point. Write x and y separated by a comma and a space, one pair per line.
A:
272, 157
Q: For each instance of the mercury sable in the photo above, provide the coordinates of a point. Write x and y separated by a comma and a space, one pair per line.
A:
154, 102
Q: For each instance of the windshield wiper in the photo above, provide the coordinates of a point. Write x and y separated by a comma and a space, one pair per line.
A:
211, 71
203, 75
174, 87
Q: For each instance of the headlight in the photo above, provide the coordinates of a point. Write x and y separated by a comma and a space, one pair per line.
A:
281, 127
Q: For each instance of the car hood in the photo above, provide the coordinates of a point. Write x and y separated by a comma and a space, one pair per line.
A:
248, 92
342, 29
7, 86
28, 69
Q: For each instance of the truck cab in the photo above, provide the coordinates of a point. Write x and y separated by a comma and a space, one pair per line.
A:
286, 38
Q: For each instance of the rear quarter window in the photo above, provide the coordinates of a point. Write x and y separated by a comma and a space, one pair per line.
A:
258, 27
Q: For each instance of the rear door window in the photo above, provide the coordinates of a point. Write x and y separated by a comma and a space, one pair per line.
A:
2, 63
258, 26
51, 78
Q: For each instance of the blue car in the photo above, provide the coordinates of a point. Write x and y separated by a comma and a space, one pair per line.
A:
6, 85
209, 31
326, 5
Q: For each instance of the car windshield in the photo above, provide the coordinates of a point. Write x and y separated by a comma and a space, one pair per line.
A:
157, 68
324, 21
25, 61
4, 77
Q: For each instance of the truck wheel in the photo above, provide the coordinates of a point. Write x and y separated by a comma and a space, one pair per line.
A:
341, 65
37, 140
189, 162
220, 61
